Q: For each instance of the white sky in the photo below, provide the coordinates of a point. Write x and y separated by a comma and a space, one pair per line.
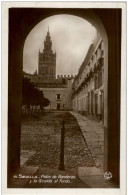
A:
71, 37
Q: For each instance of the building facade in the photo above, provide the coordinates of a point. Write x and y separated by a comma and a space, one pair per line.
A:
88, 86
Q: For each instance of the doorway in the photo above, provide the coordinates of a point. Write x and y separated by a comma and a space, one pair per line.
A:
58, 106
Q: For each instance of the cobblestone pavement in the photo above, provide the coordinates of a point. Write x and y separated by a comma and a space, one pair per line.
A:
41, 137
93, 133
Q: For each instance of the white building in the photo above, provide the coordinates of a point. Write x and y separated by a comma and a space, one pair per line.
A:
88, 86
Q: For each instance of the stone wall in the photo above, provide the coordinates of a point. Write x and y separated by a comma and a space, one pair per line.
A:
51, 94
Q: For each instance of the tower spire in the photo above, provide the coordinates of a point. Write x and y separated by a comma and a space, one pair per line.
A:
48, 33
47, 42
47, 59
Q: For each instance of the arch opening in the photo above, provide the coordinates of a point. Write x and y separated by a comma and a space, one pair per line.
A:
64, 33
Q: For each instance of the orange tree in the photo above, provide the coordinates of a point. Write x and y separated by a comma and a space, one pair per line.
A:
30, 94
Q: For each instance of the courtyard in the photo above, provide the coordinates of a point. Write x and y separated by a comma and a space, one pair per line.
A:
40, 139
40, 152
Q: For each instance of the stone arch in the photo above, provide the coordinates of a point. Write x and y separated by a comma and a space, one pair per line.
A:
110, 30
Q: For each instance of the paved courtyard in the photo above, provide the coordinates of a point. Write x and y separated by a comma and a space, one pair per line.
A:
40, 142
40, 152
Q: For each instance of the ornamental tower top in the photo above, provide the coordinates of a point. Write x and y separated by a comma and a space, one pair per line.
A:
48, 42
47, 60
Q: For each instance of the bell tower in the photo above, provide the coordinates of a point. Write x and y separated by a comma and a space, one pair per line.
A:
47, 60
47, 42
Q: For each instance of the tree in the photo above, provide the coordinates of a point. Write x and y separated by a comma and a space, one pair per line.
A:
30, 94
46, 102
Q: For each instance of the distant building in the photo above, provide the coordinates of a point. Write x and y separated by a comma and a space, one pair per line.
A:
57, 90
88, 86
47, 60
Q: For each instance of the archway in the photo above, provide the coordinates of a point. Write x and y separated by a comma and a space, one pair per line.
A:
108, 28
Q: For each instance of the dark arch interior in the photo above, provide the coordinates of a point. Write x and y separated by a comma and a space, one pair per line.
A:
21, 22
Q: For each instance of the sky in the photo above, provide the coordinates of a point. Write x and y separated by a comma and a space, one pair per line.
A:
71, 37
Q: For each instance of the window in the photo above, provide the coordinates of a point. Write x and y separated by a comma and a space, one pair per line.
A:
96, 103
58, 96
96, 82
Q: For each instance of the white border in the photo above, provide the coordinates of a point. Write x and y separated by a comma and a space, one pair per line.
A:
48, 4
